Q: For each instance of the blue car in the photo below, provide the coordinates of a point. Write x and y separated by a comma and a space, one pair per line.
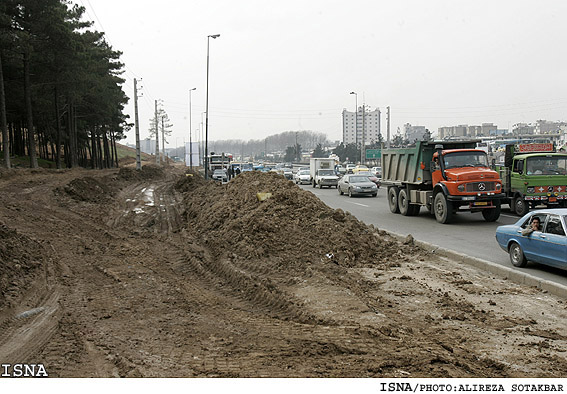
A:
548, 246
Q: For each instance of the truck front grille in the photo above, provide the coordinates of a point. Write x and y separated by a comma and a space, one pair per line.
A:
480, 187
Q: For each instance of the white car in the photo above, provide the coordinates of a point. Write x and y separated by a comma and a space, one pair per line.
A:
303, 177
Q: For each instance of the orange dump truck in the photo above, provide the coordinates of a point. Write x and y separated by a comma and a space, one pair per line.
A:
445, 177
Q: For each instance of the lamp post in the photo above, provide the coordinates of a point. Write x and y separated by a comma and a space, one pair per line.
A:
207, 110
355, 118
190, 132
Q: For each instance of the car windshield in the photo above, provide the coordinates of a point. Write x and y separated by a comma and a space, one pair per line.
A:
465, 159
326, 172
304, 172
552, 165
359, 179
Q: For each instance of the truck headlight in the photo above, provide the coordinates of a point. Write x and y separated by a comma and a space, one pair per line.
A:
461, 188
498, 186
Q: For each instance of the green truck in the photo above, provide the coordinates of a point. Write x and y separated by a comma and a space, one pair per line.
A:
532, 174
444, 177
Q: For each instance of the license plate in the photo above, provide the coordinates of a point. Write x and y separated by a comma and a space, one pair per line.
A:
480, 203
552, 199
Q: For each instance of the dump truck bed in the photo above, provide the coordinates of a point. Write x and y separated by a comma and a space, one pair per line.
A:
412, 165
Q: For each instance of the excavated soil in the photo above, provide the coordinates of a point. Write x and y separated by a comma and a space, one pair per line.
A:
159, 273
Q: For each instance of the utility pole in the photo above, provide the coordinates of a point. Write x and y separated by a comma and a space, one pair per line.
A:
362, 155
190, 132
388, 128
138, 155
214, 36
157, 136
163, 138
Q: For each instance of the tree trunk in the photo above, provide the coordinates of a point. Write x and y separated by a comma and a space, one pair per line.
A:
58, 131
93, 149
27, 93
3, 122
106, 149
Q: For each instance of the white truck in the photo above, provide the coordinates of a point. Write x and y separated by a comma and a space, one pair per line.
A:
323, 172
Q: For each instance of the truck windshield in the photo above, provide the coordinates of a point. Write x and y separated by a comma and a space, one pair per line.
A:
465, 159
326, 172
552, 165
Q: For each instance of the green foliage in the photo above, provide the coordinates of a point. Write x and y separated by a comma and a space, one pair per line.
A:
289, 154
70, 64
319, 152
348, 152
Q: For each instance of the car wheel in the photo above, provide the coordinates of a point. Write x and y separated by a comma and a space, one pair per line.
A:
340, 191
517, 257
443, 209
393, 192
350, 192
520, 206
320, 186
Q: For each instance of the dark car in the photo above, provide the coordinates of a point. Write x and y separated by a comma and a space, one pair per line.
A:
545, 246
354, 184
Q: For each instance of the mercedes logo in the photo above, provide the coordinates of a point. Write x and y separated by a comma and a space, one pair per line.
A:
481, 187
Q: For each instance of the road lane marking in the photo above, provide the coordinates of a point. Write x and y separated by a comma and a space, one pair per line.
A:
510, 216
357, 203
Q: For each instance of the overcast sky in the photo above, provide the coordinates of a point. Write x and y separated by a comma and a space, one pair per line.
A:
289, 65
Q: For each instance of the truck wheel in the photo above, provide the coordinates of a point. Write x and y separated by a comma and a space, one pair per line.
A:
320, 185
403, 202
492, 215
521, 207
443, 209
393, 192
517, 257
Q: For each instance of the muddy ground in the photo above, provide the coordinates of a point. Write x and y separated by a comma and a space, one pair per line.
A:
159, 274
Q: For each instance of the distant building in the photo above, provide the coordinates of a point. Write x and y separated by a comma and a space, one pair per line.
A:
148, 146
352, 126
523, 129
414, 133
484, 130
546, 127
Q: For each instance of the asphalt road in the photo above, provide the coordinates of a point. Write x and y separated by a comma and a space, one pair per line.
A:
469, 233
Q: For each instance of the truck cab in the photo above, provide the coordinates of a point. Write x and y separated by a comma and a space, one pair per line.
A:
534, 178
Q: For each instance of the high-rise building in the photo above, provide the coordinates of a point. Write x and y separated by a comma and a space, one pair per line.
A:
353, 123
414, 133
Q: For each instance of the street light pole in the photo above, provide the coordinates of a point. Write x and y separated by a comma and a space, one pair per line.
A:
207, 110
355, 118
190, 132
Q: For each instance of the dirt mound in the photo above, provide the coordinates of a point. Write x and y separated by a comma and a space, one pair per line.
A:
22, 260
89, 189
147, 172
292, 228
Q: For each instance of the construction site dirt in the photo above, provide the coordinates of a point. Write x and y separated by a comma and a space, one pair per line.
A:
159, 273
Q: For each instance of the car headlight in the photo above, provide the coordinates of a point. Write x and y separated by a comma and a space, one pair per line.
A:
461, 188
374, 187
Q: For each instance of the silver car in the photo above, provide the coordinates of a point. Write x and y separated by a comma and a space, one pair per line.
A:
220, 175
303, 176
353, 185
